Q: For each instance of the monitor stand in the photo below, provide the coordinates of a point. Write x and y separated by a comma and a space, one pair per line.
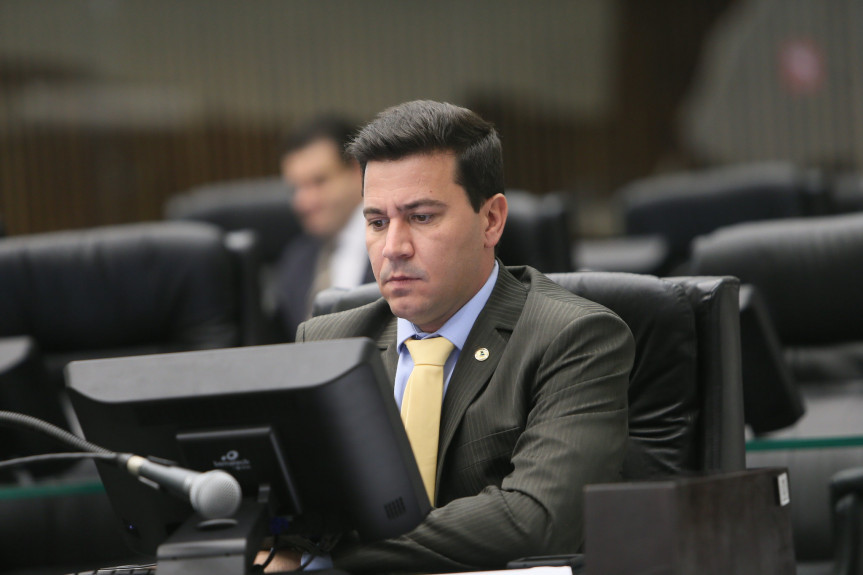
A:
228, 546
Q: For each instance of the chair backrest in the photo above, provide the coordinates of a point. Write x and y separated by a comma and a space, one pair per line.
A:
686, 412
108, 292
262, 205
682, 206
771, 396
809, 273
846, 192
536, 233
154, 287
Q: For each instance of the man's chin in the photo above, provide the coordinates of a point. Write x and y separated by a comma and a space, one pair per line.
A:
402, 306
318, 229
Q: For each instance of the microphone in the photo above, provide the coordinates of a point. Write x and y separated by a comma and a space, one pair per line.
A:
213, 494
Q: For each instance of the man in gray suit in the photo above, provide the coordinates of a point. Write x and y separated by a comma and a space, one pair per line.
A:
535, 396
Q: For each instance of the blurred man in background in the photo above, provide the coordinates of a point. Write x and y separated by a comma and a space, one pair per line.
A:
327, 198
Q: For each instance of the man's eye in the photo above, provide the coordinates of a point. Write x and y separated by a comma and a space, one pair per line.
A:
422, 218
320, 181
376, 224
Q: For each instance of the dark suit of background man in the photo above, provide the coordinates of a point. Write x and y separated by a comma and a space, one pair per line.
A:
536, 403
327, 199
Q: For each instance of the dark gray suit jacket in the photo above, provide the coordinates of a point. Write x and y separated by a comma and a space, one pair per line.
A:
521, 433
294, 276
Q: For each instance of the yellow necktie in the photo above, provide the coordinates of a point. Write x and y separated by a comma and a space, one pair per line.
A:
422, 401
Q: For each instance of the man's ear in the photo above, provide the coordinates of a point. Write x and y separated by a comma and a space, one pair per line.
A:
494, 211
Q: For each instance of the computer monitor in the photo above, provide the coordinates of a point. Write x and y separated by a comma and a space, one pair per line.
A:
309, 428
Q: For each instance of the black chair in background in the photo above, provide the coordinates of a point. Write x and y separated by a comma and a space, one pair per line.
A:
536, 232
104, 292
262, 205
681, 206
633, 254
686, 412
771, 396
846, 192
810, 276
259, 206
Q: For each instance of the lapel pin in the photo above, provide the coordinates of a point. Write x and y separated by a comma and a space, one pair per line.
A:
481, 354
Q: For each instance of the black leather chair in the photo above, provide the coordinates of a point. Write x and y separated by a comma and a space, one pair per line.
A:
123, 289
262, 205
846, 192
686, 412
259, 206
536, 232
115, 291
679, 207
810, 275
771, 396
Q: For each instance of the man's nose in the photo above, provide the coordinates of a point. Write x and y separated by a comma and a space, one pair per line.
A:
398, 243
303, 197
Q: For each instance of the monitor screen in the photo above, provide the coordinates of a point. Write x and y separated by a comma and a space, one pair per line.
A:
311, 429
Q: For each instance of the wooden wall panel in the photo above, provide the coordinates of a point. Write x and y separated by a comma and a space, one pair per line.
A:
107, 109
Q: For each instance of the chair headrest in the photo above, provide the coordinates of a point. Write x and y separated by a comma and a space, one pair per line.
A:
536, 232
262, 205
685, 205
808, 271
119, 286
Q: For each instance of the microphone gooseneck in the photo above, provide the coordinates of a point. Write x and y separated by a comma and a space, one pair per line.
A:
213, 494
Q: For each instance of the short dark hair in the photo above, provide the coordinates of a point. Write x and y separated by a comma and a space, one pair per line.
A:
330, 127
424, 126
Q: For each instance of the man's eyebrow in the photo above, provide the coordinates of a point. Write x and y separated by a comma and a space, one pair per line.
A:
424, 203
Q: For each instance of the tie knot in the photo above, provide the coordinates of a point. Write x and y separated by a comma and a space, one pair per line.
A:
430, 351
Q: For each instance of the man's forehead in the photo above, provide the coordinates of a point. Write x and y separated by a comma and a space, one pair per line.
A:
313, 155
436, 168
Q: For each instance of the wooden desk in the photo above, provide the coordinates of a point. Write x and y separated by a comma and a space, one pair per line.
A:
728, 524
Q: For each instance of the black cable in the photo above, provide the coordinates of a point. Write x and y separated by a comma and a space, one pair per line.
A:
310, 549
324, 546
54, 457
307, 562
12, 419
272, 553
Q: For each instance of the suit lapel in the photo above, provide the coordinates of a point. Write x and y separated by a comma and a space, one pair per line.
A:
295, 278
386, 341
470, 375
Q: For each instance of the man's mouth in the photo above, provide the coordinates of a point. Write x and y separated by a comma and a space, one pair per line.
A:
399, 279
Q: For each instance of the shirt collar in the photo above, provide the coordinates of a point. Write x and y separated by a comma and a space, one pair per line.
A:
458, 327
353, 229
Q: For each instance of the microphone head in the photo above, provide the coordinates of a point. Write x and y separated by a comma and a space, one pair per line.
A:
215, 494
